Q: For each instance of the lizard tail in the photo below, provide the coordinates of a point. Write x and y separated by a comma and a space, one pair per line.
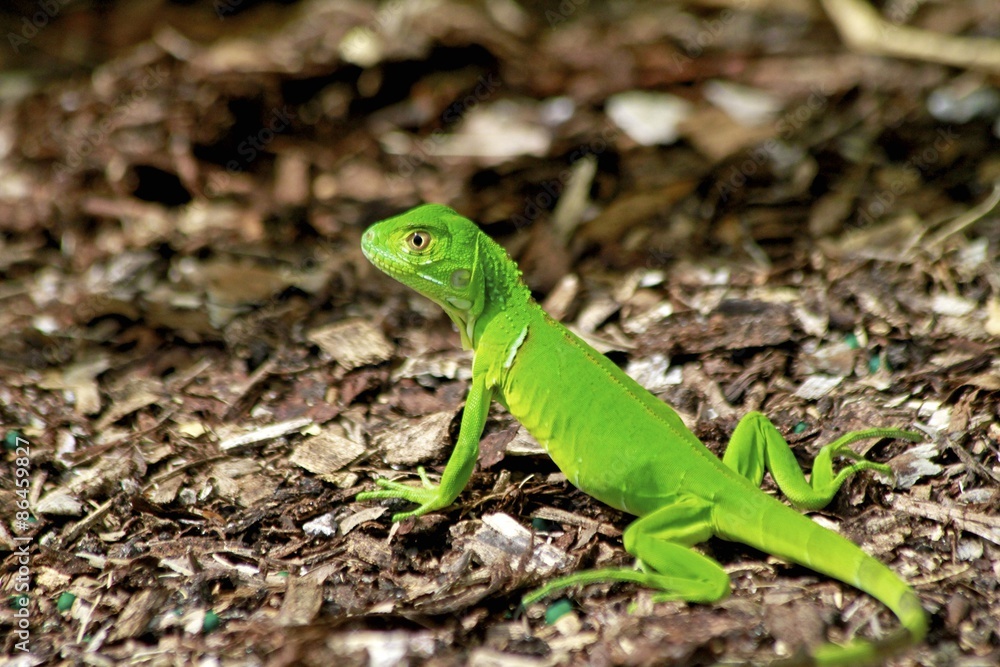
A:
828, 553
862, 652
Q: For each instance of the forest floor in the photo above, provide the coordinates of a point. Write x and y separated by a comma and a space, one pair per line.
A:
199, 369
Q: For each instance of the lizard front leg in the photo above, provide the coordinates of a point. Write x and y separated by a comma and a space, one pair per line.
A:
460, 465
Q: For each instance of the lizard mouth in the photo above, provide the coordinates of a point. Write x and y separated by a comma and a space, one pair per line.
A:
382, 261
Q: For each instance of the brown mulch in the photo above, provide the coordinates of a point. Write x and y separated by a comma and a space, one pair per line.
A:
199, 370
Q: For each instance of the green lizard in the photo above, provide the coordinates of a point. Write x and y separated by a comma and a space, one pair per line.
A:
620, 444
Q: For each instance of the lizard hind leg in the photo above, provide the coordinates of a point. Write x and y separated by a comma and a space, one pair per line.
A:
757, 445
661, 541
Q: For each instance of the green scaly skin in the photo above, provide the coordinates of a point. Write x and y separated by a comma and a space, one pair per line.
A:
620, 444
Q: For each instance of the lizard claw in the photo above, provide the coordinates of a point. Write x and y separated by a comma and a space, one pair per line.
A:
428, 498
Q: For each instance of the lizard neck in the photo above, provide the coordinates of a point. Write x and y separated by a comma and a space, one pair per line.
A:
503, 290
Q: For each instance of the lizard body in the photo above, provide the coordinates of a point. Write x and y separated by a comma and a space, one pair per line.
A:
620, 444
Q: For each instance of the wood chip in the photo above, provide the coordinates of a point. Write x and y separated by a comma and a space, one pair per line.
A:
524, 444
164, 492
138, 613
573, 519
382, 649
449, 365
352, 343
302, 602
502, 540
416, 441
484, 657
60, 503
326, 452
985, 525
255, 488
353, 521
324, 525
915, 463
80, 379
818, 386
291, 178
263, 434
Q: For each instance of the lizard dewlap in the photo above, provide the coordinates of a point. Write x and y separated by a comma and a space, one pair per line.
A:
643, 460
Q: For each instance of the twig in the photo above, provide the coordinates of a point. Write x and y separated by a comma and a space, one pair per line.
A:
967, 218
986, 526
864, 29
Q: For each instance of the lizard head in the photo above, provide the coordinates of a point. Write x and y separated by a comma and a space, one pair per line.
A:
437, 252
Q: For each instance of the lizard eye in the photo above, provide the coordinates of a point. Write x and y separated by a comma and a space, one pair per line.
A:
419, 240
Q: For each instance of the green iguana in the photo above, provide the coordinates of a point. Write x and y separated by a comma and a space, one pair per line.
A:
620, 444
